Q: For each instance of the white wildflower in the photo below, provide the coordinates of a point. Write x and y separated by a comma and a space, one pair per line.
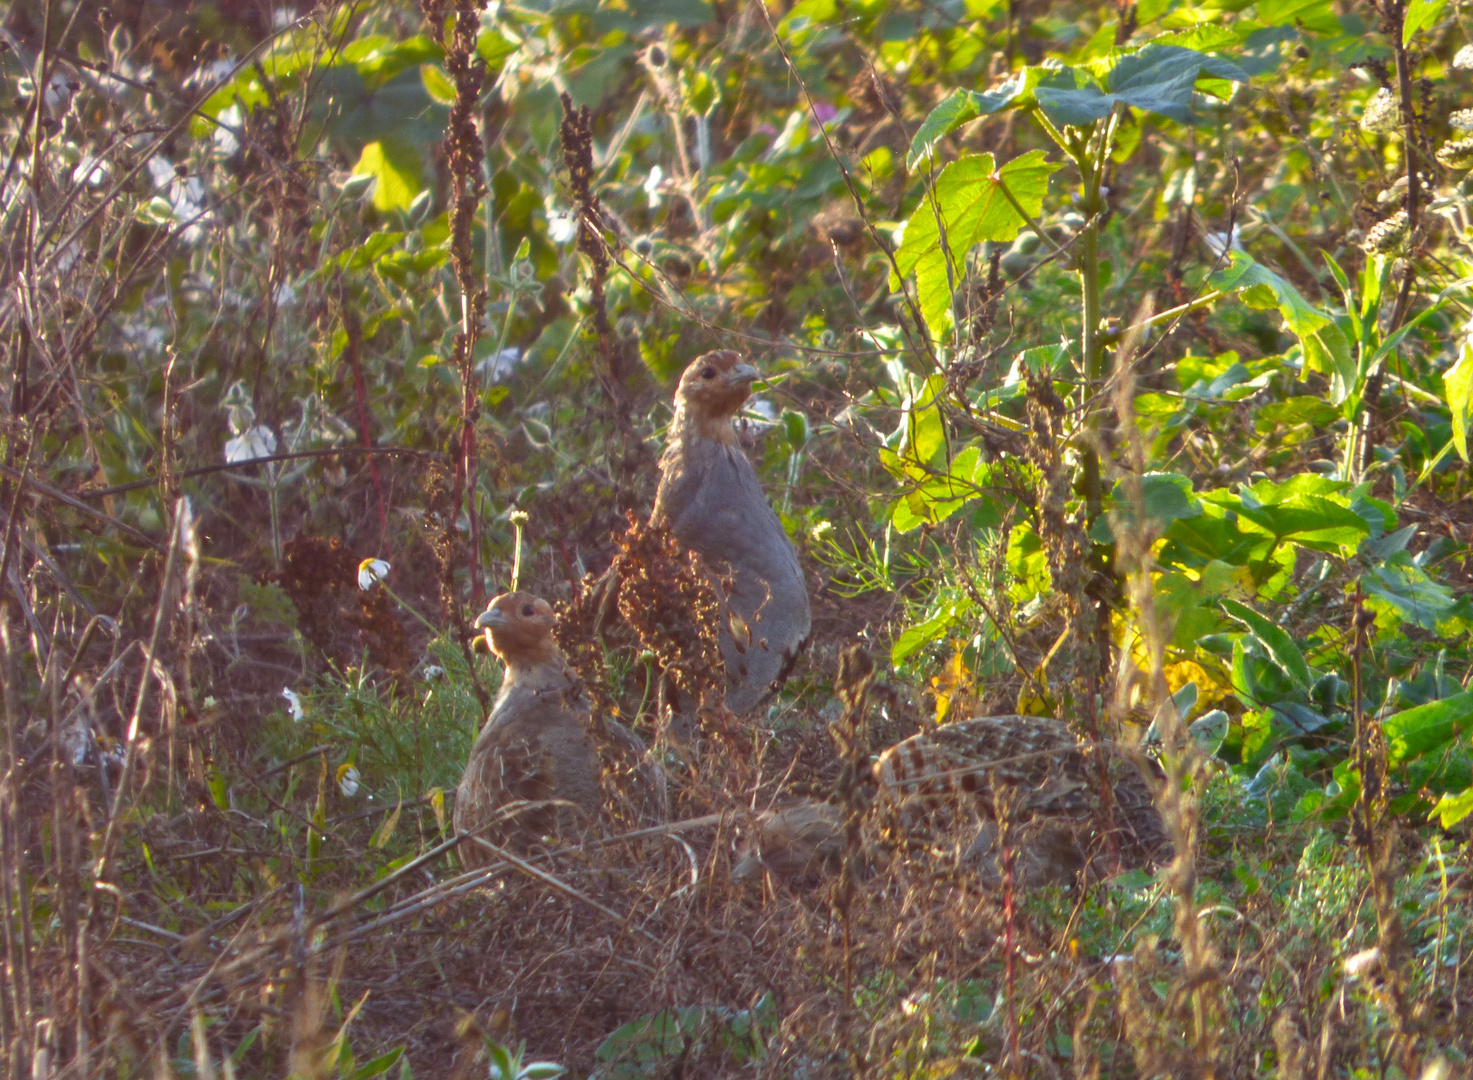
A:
499, 365
255, 442
293, 703
1221, 243
92, 171
371, 571
432, 672
58, 97
823, 530
1462, 120
348, 780
230, 121
1463, 61
652, 186
562, 226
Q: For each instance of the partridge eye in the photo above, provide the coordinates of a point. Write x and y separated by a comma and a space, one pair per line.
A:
528, 610
708, 373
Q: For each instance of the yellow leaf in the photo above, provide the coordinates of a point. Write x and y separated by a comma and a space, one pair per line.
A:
437, 804
385, 832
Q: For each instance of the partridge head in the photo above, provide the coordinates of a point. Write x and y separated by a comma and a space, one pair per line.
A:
711, 499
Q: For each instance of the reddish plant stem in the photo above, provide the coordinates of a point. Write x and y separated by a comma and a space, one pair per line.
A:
353, 353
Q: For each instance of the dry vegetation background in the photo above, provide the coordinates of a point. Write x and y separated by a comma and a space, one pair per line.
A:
1154, 421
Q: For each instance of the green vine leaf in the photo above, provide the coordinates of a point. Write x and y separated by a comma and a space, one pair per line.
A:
1157, 79
967, 205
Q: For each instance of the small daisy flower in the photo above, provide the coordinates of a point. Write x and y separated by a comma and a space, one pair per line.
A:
293, 703
432, 672
370, 572
348, 780
822, 530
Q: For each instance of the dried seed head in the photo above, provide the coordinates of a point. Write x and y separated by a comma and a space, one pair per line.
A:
1463, 61
1382, 114
1386, 236
1456, 154
1462, 120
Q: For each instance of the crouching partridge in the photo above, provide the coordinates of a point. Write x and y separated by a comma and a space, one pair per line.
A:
1030, 777
798, 843
711, 499
536, 746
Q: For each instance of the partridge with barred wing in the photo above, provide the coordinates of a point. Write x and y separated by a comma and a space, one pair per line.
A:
799, 843
711, 499
1030, 775
536, 746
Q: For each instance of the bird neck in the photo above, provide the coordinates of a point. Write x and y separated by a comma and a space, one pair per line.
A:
535, 667
692, 424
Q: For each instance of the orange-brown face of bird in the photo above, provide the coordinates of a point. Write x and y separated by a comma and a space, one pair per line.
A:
518, 629
714, 386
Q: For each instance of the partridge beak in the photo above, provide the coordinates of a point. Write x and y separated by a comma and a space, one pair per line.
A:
490, 619
743, 373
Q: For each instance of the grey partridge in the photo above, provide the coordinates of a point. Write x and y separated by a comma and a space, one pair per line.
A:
536, 745
798, 843
711, 499
1031, 774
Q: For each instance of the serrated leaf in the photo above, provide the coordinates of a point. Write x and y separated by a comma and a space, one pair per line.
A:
1157, 79
968, 205
1276, 640
963, 106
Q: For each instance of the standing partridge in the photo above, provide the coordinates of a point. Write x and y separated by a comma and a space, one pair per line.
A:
1031, 775
711, 499
536, 745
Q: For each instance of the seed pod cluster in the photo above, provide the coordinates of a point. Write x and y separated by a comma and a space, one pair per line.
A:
1386, 236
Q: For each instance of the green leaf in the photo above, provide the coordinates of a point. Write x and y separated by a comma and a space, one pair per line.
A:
1452, 809
395, 164
1157, 79
1457, 385
378, 1066
1420, 13
1415, 732
1278, 643
961, 106
1326, 348
924, 633
968, 205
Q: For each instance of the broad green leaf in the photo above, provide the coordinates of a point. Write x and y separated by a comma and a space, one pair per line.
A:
1407, 589
1316, 15
1414, 732
968, 205
1157, 79
396, 166
942, 495
1278, 643
1326, 348
1420, 13
1452, 809
961, 106
1457, 386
